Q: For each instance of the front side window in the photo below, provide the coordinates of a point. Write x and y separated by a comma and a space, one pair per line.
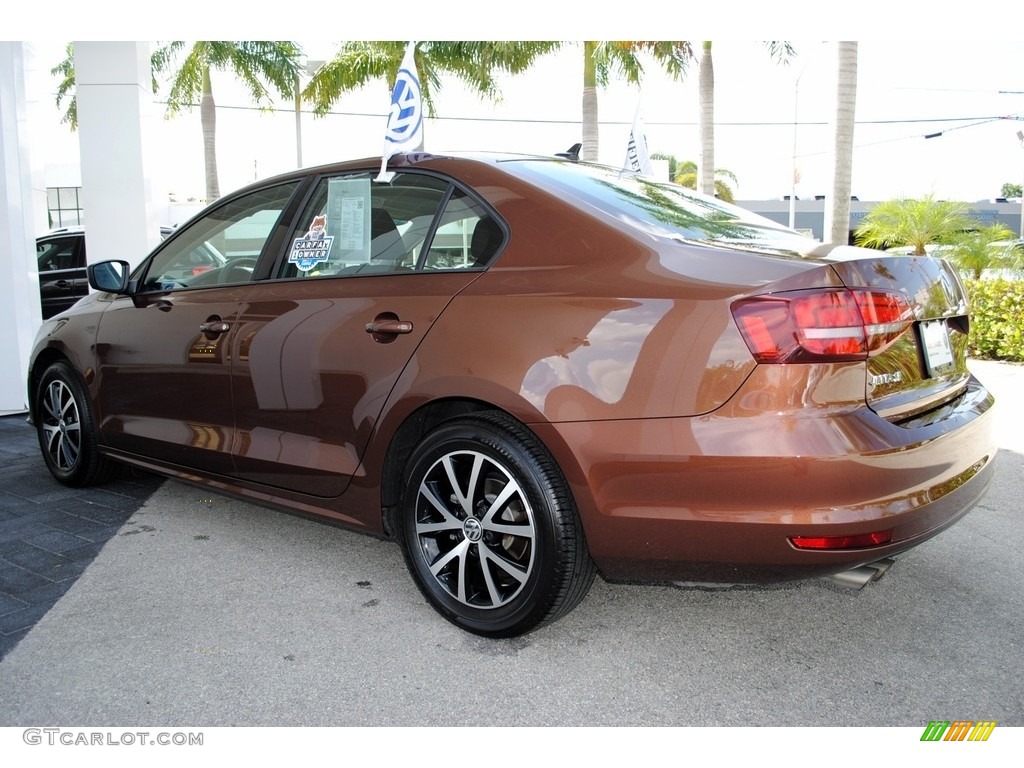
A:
221, 247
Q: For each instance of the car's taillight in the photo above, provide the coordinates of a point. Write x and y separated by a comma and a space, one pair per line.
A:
821, 325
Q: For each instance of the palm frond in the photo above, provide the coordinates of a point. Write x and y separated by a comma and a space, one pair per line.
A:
780, 50
913, 222
475, 62
66, 88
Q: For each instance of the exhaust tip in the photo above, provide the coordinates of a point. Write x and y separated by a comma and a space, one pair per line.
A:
857, 578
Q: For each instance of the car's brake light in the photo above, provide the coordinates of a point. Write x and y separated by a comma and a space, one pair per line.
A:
857, 541
826, 325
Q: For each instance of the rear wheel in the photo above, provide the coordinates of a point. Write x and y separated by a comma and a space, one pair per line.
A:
492, 536
67, 431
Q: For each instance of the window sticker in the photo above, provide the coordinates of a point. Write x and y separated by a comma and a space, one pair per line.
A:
312, 248
348, 208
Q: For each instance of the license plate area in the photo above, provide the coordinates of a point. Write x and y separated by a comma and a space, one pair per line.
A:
935, 347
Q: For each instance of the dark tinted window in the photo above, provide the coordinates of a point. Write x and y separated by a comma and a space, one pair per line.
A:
59, 253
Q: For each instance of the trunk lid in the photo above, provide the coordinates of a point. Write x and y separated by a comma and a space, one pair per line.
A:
927, 365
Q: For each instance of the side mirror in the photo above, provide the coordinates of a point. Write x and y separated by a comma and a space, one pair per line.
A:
109, 276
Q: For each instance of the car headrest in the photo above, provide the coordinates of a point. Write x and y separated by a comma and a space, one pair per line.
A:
487, 238
386, 243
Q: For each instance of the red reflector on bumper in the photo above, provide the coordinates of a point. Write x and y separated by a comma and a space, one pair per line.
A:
858, 541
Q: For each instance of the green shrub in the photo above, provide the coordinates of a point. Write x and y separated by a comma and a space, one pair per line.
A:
997, 319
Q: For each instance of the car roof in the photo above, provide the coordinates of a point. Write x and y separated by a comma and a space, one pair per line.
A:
72, 229
79, 229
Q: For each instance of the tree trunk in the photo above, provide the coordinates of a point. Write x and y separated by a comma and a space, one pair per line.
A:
837, 209
589, 151
208, 116
706, 82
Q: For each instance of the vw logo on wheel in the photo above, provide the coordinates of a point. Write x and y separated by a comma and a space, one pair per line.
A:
474, 532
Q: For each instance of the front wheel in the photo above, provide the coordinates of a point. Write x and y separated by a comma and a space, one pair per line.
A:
491, 534
67, 431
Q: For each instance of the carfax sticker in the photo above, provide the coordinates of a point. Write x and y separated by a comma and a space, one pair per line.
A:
312, 248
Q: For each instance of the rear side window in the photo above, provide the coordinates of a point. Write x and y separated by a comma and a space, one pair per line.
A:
467, 236
353, 226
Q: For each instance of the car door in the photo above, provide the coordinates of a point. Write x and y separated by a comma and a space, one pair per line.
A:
61, 266
320, 348
162, 353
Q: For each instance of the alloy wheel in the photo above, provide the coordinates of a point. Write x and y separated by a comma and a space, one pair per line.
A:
476, 529
61, 426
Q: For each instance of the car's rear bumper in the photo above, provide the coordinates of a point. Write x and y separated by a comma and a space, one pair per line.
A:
717, 498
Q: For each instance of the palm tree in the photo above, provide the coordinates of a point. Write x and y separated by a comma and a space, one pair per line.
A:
975, 251
780, 51
475, 62
706, 118
66, 71
600, 59
686, 176
673, 163
256, 63
261, 64
914, 223
837, 210
66, 88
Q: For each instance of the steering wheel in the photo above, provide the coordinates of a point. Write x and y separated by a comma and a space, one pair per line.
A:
237, 271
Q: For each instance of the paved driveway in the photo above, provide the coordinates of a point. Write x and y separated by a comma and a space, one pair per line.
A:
207, 610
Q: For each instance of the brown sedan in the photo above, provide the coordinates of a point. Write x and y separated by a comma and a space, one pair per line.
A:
527, 370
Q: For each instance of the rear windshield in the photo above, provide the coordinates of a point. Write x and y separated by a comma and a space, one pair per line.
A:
659, 208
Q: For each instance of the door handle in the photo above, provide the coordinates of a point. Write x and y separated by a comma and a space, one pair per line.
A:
214, 327
389, 326
386, 327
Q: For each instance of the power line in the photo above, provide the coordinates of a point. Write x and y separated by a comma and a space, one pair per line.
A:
979, 119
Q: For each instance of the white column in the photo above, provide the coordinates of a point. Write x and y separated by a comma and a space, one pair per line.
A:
20, 315
115, 107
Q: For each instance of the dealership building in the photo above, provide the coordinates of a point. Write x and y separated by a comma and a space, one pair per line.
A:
810, 214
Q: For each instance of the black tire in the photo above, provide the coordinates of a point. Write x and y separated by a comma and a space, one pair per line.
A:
490, 531
67, 430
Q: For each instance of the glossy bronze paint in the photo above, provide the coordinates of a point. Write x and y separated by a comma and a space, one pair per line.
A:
716, 497
686, 459
689, 461
164, 387
309, 382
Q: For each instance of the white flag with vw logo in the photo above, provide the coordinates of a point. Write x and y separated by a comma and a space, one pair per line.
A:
405, 120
